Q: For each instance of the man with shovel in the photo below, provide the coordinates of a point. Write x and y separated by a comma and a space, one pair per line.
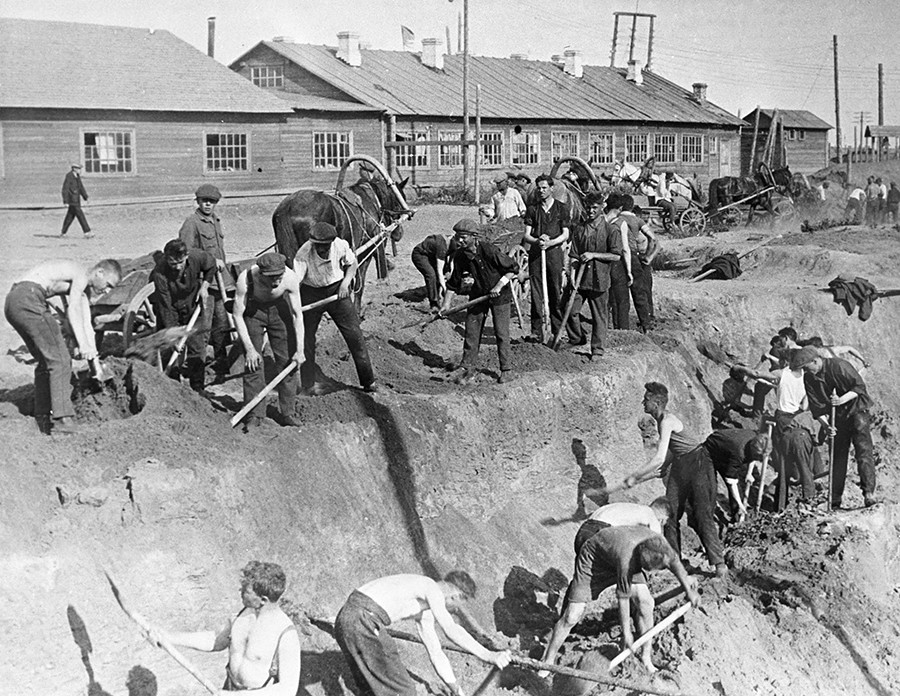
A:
492, 272
29, 313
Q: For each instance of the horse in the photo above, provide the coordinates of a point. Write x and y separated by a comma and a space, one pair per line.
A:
730, 189
360, 213
648, 185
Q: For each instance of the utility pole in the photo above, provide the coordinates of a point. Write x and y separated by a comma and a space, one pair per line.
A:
837, 107
880, 109
464, 30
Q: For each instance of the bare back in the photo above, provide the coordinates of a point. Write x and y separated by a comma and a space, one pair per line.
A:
58, 277
262, 292
403, 596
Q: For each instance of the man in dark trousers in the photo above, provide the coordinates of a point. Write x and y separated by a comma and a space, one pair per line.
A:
639, 236
833, 382
326, 265
597, 247
182, 278
72, 192
732, 451
203, 230
547, 229
620, 276
492, 272
429, 257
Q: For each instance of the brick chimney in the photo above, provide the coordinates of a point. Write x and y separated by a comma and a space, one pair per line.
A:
211, 37
518, 56
635, 74
348, 48
572, 63
700, 93
433, 53
556, 59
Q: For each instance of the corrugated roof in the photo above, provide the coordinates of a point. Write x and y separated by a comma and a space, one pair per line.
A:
87, 66
309, 102
398, 82
883, 131
791, 119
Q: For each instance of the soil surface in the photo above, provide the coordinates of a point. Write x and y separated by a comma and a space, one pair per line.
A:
427, 475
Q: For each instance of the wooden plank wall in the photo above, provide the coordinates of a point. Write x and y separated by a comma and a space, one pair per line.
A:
804, 156
295, 78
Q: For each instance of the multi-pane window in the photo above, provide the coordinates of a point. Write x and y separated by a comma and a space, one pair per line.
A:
409, 156
602, 148
563, 144
692, 149
492, 148
267, 75
713, 145
331, 149
635, 148
664, 148
226, 152
525, 147
108, 152
450, 155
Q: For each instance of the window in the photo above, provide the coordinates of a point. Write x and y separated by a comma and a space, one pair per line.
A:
635, 148
492, 148
602, 148
331, 149
108, 152
226, 152
267, 75
449, 155
714, 145
692, 149
411, 157
525, 147
563, 144
664, 148
801, 135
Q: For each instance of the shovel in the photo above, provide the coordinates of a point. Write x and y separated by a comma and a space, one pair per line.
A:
831, 454
183, 340
545, 300
571, 303
249, 406
762, 470
442, 315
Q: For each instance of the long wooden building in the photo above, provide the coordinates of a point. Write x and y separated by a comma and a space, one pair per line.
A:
805, 140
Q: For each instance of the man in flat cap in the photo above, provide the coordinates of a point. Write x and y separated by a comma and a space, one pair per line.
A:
492, 272
507, 202
833, 382
203, 230
267, 300
326, 265
72, 192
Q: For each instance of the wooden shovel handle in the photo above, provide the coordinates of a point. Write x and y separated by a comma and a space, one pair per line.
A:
648, 636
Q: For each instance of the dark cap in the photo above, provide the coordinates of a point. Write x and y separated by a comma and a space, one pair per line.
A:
208, 191
271, 264
466, 226
322, 232
804, 356
523, 175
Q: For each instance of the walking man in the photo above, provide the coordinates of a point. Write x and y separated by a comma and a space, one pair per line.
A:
492, 272
72, 192
203, 230
833, 382
430, 257
262, 641
29, 313
507, 202
325, 266
267, 301
370, 651
546, 230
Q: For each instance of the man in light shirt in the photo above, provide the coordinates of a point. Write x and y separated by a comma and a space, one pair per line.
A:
507, 202
326, 265
855, 204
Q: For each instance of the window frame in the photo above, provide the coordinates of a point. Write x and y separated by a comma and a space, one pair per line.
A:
629, 157
340, 158
681, 153
403, 154
536, 150
447, 151
657, 137
497, 144
86, 162
277, 80
592, 140
554, 144
246, 147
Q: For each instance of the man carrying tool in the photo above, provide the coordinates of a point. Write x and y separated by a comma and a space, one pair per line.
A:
596, 247
687, 469
29, 313
361, 630
262, 641
507, 202
833, 386
430, 257
181, 280
732, 452
203, 230
492, 272
267, 300
326, 266
546, 230
620, 557
652, 516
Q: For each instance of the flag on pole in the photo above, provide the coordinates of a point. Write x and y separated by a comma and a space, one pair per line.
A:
409, 38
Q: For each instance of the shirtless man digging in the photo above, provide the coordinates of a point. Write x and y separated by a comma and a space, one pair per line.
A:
262, 642
361, 630
29, 313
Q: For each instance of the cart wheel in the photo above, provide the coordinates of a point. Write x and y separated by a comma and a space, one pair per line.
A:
520, 256
692, 222
140, 319
784, 211
733, 217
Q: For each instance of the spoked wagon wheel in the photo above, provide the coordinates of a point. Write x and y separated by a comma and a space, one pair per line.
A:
732, 217
692, 222
140, 319
784, 211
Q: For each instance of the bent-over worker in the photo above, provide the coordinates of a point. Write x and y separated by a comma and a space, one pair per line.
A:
652, 516
430, 258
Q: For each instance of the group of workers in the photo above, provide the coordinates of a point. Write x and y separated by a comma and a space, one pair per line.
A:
876, 204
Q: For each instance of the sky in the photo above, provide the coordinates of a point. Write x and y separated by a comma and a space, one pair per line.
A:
750, 52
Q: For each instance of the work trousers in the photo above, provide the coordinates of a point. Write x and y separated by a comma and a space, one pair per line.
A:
75, 211
854, 211
692, 478
344, 315
873, 210
621, 295
599, 305
794, 452
475, 318
29, 314
274, 319
854, 430
668, 212
554, 291
220, 333
428, 269
893, 212
194, 366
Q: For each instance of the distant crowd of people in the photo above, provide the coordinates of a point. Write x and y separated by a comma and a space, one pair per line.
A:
876, 204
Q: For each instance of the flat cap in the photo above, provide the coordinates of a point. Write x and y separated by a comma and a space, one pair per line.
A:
501, 177
804, 356
208, 191
466, 226
271, 264
76, 166
322, 232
